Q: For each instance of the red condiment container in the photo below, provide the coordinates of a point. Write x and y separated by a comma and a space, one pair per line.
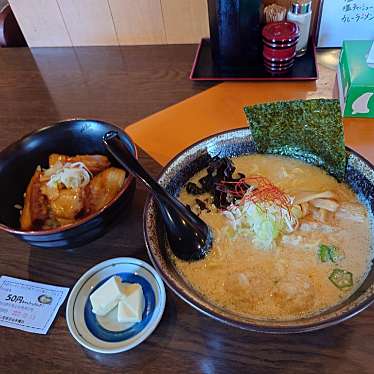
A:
281, 32
280, 39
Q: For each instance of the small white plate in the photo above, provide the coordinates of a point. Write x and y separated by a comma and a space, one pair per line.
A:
106, 334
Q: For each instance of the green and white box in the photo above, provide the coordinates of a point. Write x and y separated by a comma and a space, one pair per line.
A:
356, 78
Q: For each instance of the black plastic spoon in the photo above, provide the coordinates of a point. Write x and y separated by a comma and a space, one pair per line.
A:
189, 237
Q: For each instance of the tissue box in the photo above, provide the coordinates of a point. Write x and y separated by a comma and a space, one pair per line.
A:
356, 79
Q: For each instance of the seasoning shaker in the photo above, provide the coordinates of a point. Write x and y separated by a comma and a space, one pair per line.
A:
300, 13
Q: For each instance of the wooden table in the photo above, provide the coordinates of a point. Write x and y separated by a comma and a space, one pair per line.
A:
122, 85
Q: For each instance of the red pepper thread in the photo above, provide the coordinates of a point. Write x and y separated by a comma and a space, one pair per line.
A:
264, 191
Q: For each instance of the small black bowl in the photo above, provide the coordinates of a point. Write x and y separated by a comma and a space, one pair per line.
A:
18, 163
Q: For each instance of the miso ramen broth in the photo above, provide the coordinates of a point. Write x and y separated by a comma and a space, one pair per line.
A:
271, 261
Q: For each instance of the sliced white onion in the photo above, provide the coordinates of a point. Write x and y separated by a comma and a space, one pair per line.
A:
71, 175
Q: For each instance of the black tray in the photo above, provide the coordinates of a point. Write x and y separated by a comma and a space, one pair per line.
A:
204, 68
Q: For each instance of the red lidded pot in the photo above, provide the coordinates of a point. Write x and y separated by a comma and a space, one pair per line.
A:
280, 39
280, 32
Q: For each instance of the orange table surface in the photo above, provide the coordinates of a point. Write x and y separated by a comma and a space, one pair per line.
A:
166, 133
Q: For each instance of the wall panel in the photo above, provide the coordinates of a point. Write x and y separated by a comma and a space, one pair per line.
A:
185, 21
138, 22
110, 22
89, 22
41, 22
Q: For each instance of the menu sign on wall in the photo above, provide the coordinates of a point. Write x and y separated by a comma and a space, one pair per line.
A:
345, 20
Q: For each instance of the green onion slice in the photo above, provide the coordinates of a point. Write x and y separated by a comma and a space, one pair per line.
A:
323, 253
329, 253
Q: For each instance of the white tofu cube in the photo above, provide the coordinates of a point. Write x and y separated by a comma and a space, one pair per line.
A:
131, 305
125, 314
107, 296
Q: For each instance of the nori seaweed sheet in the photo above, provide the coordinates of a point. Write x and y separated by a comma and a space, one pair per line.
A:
310, 130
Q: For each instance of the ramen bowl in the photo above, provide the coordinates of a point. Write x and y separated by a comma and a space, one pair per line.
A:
17, 166
359, 176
